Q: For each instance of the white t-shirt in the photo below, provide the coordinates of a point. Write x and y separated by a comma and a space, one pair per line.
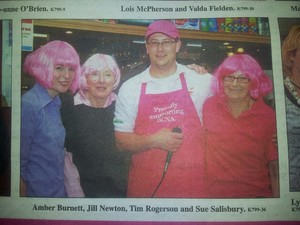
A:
129, 93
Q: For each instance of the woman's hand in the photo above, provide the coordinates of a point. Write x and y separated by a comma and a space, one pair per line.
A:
198, 69
275, 140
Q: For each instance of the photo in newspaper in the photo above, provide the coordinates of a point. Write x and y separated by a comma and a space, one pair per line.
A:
290, 32
123, 40
90, 138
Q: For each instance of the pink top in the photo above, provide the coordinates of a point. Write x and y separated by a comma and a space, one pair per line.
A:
238, 149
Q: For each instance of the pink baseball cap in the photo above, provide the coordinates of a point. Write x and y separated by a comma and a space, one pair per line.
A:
163, 26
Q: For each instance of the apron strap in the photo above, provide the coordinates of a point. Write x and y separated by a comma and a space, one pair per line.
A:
143, 89
182, 80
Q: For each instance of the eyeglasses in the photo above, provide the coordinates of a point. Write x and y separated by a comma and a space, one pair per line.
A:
242, 80
164, 43
98, 76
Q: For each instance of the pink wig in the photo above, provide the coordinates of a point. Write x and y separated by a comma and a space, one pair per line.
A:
98, 62
261, 84
40, 63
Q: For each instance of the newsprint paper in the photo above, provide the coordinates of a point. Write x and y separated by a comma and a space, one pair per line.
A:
210, 31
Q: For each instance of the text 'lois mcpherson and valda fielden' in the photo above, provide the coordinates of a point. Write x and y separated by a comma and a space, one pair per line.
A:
176, 9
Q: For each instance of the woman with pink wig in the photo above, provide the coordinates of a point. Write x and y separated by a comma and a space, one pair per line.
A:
55, 68
241, 159
88, 118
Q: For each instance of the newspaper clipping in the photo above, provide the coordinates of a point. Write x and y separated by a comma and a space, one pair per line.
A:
150, 112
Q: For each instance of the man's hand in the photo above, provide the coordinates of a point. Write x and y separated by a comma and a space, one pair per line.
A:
167, 140
164, 139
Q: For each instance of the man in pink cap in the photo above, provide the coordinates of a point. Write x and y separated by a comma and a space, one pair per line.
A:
157, 118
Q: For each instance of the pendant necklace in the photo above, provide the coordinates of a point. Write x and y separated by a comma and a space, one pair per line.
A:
292, 88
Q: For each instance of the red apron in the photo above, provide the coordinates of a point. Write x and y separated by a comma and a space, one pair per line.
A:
184, 177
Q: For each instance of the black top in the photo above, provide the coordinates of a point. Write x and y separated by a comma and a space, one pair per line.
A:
90, 137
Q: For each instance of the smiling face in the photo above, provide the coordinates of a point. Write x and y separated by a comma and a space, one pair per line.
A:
63, 77
162, 53
237, 87
100, 84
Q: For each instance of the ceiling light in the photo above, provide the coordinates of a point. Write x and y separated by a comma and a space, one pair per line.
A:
138, 41
240, 50
199, 45
40, 35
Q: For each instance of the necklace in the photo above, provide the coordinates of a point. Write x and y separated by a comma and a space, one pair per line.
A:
291, 86
295, 84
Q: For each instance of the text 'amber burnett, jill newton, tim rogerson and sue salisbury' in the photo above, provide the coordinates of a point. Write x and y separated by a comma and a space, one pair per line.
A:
149, 209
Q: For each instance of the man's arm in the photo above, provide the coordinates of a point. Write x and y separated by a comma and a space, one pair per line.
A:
164, 139
273, 168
